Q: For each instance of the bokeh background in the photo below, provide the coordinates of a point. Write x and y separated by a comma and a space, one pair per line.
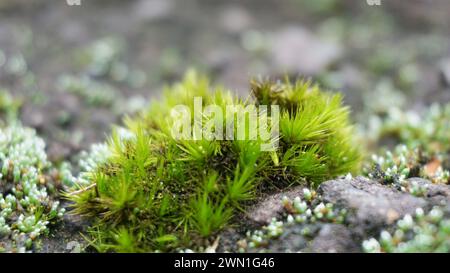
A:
72, 71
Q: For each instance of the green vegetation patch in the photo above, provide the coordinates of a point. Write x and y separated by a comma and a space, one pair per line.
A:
157, 193
28, 188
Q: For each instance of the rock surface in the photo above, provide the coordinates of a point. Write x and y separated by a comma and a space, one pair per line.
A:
436, 194
271, 206
371, 207
333, 238
371, 204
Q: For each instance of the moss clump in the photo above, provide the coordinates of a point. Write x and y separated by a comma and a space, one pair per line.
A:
158, 193
395, 167
27, 189
421, 146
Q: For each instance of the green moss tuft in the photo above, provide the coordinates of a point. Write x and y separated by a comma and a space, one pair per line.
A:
155, 193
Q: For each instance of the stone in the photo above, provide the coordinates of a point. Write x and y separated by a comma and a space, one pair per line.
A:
436, 194
371, 205
271, 206
333, 238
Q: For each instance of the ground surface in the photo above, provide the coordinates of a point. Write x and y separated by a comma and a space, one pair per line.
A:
133, 48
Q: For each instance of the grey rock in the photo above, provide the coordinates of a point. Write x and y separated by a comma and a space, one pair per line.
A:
291, 240
271, 206
371, 205
330, 238
436, 194
333, 238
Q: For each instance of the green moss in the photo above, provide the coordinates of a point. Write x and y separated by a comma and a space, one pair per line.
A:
395, 167
28, 187
156, 193
424, 148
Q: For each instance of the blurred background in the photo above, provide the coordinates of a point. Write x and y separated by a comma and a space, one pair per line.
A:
72, 71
